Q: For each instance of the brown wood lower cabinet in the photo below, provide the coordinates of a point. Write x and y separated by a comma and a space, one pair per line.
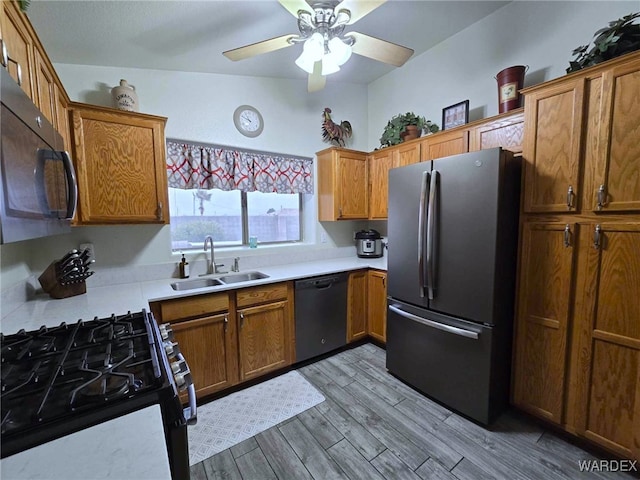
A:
543, 319
263, 338
357, 306
210, 347
605, 406
234, 336
377, 304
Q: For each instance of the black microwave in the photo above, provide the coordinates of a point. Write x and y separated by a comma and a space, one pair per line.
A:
38, 188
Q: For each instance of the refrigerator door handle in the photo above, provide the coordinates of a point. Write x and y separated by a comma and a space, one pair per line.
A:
422, 219
431, 234
430, 323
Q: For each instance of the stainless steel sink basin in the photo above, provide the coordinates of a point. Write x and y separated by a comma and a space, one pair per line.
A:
195, 283
242, 277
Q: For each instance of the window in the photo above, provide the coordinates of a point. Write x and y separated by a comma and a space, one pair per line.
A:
231, 217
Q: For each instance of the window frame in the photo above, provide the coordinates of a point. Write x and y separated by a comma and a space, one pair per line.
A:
244, 221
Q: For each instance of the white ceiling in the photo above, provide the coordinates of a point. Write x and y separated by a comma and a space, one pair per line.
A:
190, 36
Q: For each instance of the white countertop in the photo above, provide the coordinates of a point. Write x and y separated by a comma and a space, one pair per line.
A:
138, 437
118, 299
130, 447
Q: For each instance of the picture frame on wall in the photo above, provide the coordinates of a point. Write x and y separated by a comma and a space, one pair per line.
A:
455, 115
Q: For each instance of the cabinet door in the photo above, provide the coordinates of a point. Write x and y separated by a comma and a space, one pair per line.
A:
506, 132
444, 144
120, 163
45, 89
612, 182
19, 45
377, 304
380, 163
62, 117
353, 186
608, 344
406, 154
551, 151
546, 267
357, 306
209, 346
264, 339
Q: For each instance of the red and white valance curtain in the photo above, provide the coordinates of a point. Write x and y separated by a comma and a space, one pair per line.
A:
201, 166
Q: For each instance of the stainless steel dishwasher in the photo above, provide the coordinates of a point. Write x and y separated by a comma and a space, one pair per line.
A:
321, 314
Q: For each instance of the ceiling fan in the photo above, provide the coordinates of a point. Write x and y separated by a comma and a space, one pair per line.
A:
326, 45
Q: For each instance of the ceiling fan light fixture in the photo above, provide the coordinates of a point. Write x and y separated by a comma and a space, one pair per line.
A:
329, 65
340, 51
314, 47
305, 62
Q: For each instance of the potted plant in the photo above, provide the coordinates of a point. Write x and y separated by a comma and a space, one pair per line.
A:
622, 36
405, 127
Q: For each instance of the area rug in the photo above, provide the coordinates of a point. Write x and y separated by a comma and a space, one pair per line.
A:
225, 422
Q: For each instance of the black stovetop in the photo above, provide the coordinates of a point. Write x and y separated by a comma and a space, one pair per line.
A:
54, 374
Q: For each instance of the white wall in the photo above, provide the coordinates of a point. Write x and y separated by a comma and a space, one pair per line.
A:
200, 108
541, 35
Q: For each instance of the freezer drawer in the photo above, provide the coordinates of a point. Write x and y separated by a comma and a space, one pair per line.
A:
448, 359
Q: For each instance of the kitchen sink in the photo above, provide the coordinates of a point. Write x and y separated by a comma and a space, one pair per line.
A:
242, 277
196, 283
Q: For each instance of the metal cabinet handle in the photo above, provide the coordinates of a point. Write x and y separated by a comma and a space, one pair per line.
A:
5, 54
567, 236
601, 197
570, 195
241, 319
226, 323
340, 212
597, 237
160, 211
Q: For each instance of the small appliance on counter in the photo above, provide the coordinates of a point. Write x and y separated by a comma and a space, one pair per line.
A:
368, 244
66, 277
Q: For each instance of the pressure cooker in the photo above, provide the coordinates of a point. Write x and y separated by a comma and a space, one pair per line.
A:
368, 244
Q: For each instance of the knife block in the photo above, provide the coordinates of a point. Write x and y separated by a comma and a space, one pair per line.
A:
51, 285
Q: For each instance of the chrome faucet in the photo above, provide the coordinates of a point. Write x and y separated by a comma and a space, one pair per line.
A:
212, 266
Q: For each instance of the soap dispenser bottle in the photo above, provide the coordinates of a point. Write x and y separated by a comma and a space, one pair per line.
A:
184, 267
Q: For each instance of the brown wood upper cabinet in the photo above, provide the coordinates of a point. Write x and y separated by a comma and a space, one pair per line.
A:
443, 144
120, 163
583, 125
577, 334
18, 42
505, 130
343, 188
380, 162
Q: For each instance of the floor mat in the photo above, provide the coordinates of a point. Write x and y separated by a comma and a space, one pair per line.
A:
241, 415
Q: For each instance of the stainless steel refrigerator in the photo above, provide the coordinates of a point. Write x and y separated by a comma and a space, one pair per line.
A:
452, 234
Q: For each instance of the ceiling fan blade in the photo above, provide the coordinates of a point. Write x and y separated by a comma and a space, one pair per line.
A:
259, 48
316, 80
358, 8
380, 50
294, 5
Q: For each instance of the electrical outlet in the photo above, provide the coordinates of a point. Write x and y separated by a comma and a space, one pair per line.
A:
323, 237
88, 246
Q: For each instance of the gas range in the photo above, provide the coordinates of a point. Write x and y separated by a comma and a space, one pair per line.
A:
58, 380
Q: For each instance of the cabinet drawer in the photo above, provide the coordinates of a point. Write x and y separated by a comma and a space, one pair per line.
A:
261, 294
193, 306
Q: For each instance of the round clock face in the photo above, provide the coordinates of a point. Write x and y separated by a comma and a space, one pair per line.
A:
248, 121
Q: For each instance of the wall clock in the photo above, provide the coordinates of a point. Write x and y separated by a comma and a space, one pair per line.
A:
248, 121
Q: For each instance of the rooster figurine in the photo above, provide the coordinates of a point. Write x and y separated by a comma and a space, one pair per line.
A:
331, 132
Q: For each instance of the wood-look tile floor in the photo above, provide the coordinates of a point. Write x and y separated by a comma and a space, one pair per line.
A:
374, 427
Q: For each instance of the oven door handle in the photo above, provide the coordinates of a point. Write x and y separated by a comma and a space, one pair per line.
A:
191, 412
